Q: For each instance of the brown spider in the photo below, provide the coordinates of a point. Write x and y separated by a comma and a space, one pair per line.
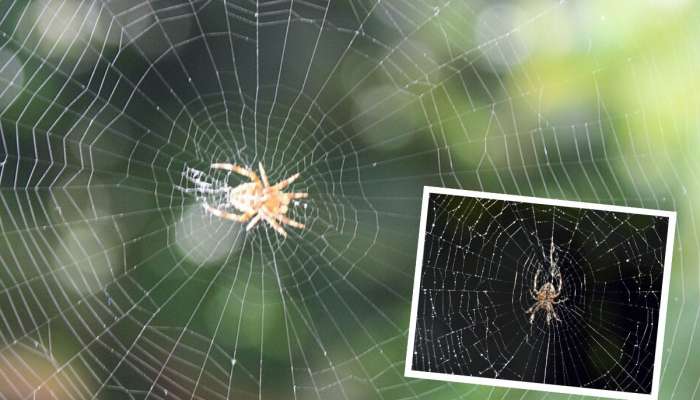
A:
257, 200
548, 294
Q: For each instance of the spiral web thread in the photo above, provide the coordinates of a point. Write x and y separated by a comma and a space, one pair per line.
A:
115, 284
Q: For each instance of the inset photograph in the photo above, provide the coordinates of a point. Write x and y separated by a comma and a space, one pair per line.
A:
540, 294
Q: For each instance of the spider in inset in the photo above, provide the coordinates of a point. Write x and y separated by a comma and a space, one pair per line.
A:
257, 200
548, 294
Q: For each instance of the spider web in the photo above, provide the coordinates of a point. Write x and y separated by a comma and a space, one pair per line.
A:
485, 262
115, 284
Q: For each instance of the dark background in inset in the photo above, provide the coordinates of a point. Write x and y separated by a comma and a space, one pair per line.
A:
479, 262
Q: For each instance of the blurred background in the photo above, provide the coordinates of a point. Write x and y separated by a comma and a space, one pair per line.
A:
114, 284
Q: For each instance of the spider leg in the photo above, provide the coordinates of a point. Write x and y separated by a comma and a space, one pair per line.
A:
560, 283
263, 175
239, 170
297, 195
537, 274
532, 318
283, 184
253, 222
226, 215
275, 225
533, 293
551, 255
288, 221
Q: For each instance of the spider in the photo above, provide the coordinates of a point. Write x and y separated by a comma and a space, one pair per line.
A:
548, 294
256, 200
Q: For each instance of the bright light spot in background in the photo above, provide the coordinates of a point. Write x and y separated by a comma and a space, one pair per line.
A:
88, 258
11, 78
373, 121
235, 310
669, 3
495, 31
64, 32
670, 102
29, 370
66, 24
131, 19
204, 239
67, 28
539, 40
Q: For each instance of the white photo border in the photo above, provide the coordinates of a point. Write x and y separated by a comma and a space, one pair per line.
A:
545, 387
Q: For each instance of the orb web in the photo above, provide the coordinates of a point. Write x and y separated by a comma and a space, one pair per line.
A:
488, 265
115, 284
